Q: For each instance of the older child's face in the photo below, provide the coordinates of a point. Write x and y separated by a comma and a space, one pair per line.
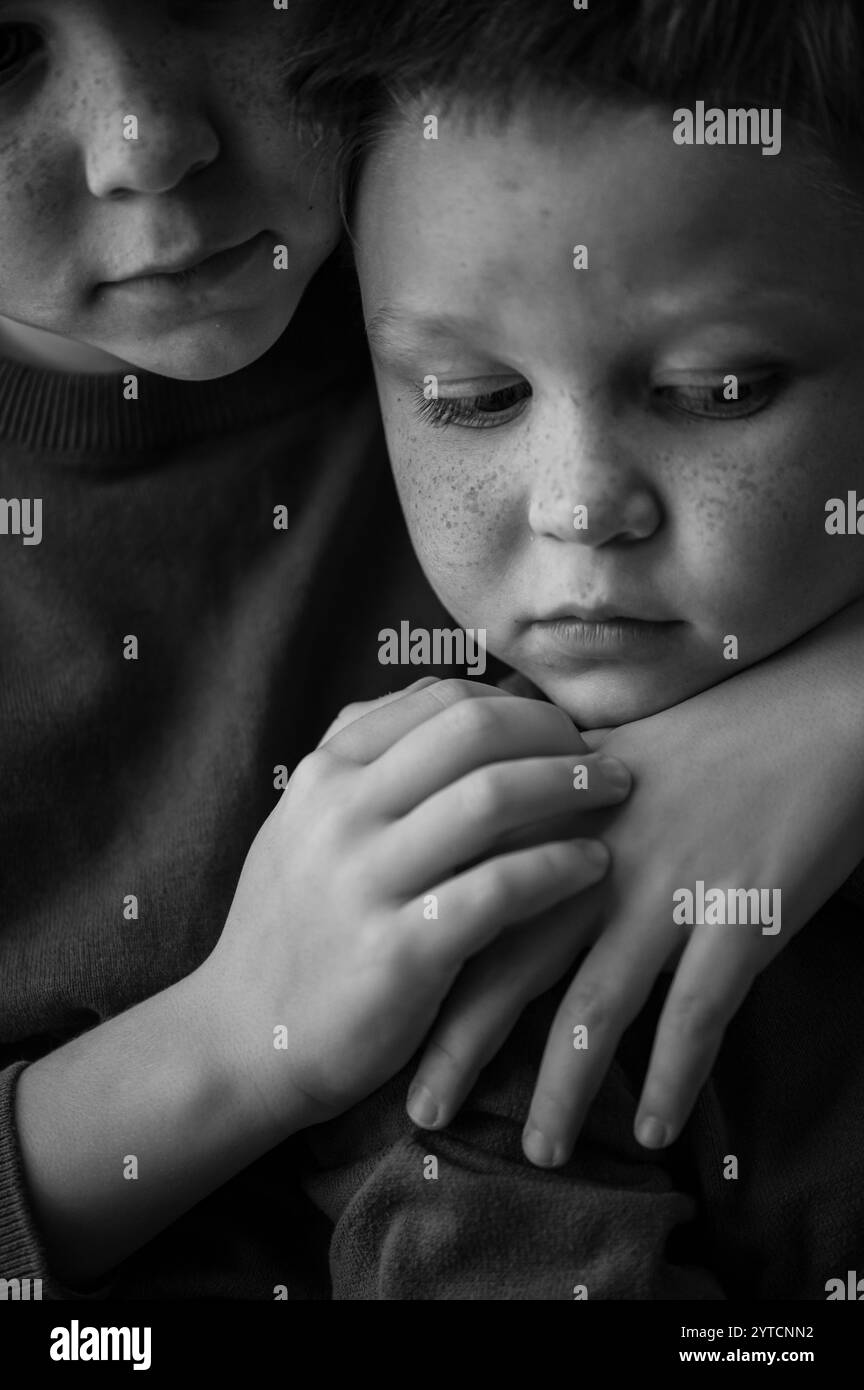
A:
92, 222
587, 487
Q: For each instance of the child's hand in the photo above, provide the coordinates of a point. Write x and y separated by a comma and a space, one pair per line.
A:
355, 910
732, 788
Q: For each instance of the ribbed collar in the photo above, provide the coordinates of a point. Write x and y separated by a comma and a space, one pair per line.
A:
64, 413
69, 414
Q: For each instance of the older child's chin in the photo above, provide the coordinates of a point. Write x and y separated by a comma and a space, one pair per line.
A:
205, 351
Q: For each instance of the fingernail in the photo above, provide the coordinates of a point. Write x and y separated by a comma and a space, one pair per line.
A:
614, 773
596, 853
422, 1107
652, 1133
538, 1148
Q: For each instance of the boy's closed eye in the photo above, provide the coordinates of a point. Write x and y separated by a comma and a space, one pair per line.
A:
490, 404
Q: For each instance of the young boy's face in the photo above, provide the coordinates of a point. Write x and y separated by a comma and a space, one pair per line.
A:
91, 219
605, 389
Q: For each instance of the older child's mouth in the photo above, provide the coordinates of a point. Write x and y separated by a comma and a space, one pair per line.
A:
220, 271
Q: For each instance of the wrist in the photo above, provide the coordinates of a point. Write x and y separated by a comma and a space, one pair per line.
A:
159, 1085
240, 1067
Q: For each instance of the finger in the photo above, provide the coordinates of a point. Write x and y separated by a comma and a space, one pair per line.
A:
463, 821
469, 911
468, 735
713, 977
356, 711
608, 990
485, 1004
591, 823
367, 738
595, 738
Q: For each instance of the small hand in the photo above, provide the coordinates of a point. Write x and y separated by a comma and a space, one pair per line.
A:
385, 865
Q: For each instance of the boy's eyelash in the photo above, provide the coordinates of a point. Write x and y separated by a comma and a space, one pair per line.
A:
495, 408
472, 412
752, 397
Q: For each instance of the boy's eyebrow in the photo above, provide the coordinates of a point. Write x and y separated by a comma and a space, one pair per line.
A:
752, 294
390, 321
383, 326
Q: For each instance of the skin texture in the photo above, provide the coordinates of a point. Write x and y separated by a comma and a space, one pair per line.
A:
216, 162
703, 261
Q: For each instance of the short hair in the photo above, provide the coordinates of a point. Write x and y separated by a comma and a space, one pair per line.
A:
371, 57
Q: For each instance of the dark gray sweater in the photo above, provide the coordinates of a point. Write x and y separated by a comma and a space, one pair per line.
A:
785, 1100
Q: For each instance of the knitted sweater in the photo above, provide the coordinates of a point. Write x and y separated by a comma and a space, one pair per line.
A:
761, 1198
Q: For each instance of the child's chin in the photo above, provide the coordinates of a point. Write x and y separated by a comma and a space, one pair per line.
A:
603, 700
206, 352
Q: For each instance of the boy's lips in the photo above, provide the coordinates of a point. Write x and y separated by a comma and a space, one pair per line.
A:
574, 635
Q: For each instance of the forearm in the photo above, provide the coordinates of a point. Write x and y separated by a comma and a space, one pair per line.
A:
826, 667
153, 1085
799, 717
810, 698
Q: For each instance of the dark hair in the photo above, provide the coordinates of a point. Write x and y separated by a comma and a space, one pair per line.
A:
804, 56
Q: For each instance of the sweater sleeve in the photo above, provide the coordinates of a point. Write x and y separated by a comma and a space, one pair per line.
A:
22, 1254
462, 1215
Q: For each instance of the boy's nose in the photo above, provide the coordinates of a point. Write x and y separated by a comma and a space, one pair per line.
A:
595, 495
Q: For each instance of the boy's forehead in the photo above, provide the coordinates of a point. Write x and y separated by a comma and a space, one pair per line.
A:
684, 229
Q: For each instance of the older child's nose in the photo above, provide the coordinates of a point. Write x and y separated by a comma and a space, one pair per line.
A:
138, 135
593, 493
157, 153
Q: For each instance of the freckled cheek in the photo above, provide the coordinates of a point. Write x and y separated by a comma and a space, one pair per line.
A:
36, 207
432, 501
447, 508
749, 537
